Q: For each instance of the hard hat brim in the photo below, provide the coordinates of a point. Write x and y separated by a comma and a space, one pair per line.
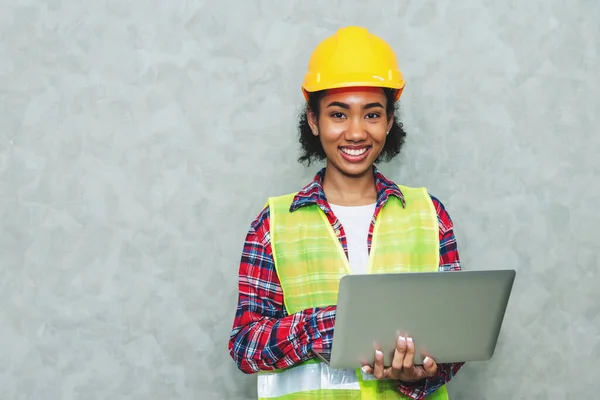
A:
399, 86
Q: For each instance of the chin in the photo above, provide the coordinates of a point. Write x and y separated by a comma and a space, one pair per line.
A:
355, 170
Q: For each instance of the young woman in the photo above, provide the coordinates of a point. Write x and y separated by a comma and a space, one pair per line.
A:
301, 244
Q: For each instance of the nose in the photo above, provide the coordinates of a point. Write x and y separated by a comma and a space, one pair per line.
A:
356, 131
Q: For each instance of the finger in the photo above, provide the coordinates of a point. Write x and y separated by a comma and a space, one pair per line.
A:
408, 364
367, 369
399, 354
378, 366
430, 366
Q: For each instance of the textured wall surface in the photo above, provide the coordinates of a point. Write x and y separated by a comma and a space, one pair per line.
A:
139, 139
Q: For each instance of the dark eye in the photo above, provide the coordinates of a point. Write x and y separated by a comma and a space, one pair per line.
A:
337, 115
373, 115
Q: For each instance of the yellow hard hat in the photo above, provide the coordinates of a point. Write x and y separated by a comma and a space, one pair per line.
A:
352, 57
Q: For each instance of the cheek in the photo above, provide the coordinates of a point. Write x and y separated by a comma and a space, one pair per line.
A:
331, 133
378, 134
329, 140
332, 129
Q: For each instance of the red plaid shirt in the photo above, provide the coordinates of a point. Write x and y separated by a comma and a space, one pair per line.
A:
264, 337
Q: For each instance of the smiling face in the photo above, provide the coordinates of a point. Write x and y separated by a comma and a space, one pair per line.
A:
352, 127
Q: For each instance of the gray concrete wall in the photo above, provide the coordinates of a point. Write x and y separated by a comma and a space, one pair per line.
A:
139, 139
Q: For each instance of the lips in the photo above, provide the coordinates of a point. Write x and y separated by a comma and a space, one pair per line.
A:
355, 154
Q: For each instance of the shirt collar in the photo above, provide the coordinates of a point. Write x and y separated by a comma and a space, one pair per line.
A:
313, 192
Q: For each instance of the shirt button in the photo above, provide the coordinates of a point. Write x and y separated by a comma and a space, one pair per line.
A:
337, 232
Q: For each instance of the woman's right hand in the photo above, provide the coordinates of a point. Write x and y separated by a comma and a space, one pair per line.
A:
402, 367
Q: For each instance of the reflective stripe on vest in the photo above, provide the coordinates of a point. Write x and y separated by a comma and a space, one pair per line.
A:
310, 261
306, 377
316, 381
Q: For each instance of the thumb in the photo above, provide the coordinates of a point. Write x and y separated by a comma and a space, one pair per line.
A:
429, 366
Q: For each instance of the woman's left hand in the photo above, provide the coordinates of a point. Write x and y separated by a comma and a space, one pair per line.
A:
402, 365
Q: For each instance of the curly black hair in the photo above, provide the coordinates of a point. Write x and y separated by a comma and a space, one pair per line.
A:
312, 150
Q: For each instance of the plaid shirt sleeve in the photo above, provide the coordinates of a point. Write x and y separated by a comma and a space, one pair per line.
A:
449, 261
264, 337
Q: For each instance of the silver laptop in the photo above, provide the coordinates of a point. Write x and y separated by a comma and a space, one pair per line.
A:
451, 316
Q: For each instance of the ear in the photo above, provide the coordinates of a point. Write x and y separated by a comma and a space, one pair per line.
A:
390, 123
312, 122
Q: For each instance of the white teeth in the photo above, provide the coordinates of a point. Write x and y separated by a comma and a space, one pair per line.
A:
353, 152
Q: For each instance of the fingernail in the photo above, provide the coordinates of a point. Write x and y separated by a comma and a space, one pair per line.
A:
426, 360
409, 339
365, 369
378, 353
401, 339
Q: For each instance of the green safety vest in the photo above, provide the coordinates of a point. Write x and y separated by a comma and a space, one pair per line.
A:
310, 261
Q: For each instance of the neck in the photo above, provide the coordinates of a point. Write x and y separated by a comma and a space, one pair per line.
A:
345, 190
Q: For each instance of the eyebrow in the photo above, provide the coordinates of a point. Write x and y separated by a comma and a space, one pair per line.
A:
347, 107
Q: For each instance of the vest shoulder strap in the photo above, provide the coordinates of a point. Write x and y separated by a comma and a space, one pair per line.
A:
411, 193
280, 203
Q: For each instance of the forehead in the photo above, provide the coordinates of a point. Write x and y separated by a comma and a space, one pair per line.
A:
355, 95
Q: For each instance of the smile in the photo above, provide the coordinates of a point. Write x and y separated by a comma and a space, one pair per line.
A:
355, 152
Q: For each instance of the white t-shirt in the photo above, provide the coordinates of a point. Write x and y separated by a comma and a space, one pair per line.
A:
356, 221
